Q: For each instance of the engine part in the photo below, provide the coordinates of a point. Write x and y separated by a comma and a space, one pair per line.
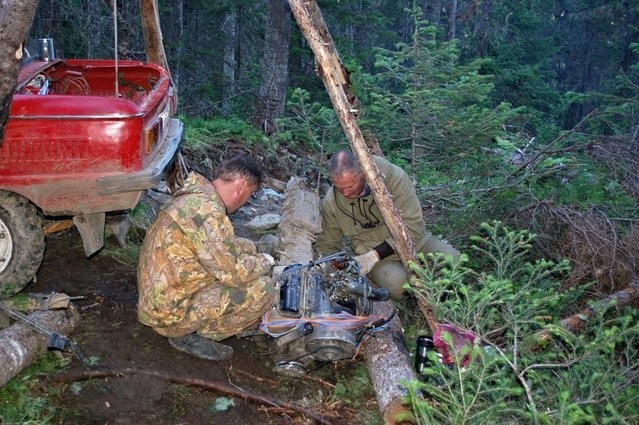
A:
330, 344
290, 368
322, 313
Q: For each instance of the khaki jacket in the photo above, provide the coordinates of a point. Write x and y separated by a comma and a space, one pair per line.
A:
191, 245
360, 220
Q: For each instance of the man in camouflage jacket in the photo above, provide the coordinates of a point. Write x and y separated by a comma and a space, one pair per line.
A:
349, 210
197, 282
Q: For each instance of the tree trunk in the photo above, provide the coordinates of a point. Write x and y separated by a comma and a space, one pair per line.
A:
389, 363
482, 28
153, 33
299, 224
274, 66
452, 20
179, 51
336, 81
229, 67
16, 17
578, 321
20, 344
432, 11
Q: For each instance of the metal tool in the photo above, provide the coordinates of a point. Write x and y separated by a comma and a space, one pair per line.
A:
56, 341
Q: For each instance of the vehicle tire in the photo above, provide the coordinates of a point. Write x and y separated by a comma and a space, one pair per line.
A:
21, 243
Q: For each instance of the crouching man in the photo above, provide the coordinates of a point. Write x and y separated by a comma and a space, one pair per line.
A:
197, 283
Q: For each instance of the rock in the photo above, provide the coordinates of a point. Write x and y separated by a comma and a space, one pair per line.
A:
264, 222
268, 243
267, 194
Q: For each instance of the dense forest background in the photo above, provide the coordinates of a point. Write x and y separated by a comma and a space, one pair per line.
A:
519, 123
536, 51
525, 111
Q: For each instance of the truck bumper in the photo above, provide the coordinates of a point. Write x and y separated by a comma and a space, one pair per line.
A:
150, 176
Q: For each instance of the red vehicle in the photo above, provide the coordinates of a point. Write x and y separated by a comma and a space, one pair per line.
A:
84, 138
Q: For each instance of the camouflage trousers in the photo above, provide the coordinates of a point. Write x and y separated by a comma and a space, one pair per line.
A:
219, 312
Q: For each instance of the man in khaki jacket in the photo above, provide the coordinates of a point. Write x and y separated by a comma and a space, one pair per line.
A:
349, 210
198, 283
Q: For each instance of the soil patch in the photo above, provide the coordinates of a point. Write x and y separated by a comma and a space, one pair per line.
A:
110, 334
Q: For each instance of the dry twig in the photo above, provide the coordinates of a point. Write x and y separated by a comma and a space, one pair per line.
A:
190, 381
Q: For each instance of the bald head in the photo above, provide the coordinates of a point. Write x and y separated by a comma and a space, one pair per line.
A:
342, 162
346, 175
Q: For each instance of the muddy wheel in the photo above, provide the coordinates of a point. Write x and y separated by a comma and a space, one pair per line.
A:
21, 243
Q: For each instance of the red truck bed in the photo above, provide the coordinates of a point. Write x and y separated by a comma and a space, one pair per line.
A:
80, 143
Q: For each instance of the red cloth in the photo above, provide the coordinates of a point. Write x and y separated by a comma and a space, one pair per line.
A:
460, 337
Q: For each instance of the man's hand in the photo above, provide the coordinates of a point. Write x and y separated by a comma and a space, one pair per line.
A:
367, 261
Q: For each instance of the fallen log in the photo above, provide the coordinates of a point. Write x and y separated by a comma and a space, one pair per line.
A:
389, 363
577, 322
21, 344
300, 222
387, 357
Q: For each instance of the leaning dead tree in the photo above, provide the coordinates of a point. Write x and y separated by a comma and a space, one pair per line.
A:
153, 33
383, 353
337, 83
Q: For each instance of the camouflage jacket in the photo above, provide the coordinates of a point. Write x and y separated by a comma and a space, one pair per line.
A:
360, 220
191, 244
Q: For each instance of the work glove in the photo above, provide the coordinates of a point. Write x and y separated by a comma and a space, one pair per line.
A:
269, 258
367, 261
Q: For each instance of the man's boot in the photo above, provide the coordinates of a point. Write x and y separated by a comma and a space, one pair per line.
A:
201, 347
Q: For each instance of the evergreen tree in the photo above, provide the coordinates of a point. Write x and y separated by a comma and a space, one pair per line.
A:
425, 106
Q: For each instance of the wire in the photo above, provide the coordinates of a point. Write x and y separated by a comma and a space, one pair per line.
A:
115, 45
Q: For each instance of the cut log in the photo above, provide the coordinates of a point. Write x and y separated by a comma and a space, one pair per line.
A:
300, 222
21, 344
389, 363
387, 355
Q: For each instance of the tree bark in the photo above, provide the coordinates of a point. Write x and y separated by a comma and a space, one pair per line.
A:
16, 17
180, 45
432, 11
482, 28
20, 344
274, 66
229, 67
389, 363
299, 224
452, 20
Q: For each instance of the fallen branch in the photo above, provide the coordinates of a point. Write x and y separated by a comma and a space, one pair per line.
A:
578, 321
189, 381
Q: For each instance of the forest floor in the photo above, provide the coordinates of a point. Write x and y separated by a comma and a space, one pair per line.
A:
142, 380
